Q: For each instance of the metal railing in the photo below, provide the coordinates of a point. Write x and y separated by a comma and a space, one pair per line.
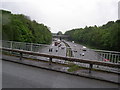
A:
71, 59
102, 55
110, 56
23, 45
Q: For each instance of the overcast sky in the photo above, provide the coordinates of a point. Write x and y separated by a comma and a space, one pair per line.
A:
62, 15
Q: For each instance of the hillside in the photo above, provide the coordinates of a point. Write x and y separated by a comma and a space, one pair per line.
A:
105, 37
18, 27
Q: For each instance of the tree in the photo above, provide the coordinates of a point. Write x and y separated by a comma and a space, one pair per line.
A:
106, 36
18, 27
59, 33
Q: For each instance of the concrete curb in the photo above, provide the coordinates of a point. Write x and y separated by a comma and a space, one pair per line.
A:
71, 73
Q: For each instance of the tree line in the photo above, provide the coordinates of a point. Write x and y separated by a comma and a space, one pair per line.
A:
106, 37
18, 27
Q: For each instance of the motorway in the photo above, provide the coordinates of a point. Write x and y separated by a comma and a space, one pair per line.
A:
60, 52
89, 54
21, 76
45, 49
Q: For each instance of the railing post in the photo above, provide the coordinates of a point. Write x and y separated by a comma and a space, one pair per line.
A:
50, 60
90, 68
21, 55
119, 66
31, 46
110, 57
11, 46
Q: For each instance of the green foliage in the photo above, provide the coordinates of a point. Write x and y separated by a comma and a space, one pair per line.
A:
104, 37
73, 68
17, 27
59, 33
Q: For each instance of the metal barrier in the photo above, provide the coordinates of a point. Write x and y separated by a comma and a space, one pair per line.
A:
23, 45
111, 56
102, 55
71, 59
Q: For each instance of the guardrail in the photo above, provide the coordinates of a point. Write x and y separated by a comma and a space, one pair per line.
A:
102, 55
111, 56
91, 63
22, 45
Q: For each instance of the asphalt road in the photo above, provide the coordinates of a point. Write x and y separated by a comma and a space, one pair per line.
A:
45, 49
60, 52
88, 54
20, 76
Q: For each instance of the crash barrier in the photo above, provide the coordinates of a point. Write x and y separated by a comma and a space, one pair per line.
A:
103, 55
71, 59
110, 56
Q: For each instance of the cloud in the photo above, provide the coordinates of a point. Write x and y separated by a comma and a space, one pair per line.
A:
62, 15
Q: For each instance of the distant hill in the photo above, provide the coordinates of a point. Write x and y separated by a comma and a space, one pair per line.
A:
18, 27
104, 37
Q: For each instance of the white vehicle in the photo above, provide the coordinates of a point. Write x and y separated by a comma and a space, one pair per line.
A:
84, 48
82, 54
62, 47
58, 40
72, 41
75, 45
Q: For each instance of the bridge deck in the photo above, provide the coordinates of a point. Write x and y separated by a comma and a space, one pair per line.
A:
20, 76
27, 76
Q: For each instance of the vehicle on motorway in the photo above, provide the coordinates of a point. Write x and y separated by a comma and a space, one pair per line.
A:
56, 50
59, 45
62, 47
82, 54
56, 43
75, 50
54, 39
84, 48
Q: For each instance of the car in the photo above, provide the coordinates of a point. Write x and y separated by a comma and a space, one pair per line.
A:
75, 45
59, 45
62, 47
84, 48
73, 42
75, 50
56, 50
56, 43
82, 54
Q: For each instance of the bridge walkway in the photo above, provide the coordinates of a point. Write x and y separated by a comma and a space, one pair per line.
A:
109, 77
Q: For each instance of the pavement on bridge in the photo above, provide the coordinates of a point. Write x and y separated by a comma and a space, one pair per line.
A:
55, 67
22, 76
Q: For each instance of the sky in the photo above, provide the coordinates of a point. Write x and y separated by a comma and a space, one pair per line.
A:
64, 15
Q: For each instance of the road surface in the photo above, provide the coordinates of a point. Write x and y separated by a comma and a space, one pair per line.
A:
45, 49
89, 54
21, 76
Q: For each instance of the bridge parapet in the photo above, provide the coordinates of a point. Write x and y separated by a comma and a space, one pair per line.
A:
111, 56
103, 55
64, 36
71, 59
